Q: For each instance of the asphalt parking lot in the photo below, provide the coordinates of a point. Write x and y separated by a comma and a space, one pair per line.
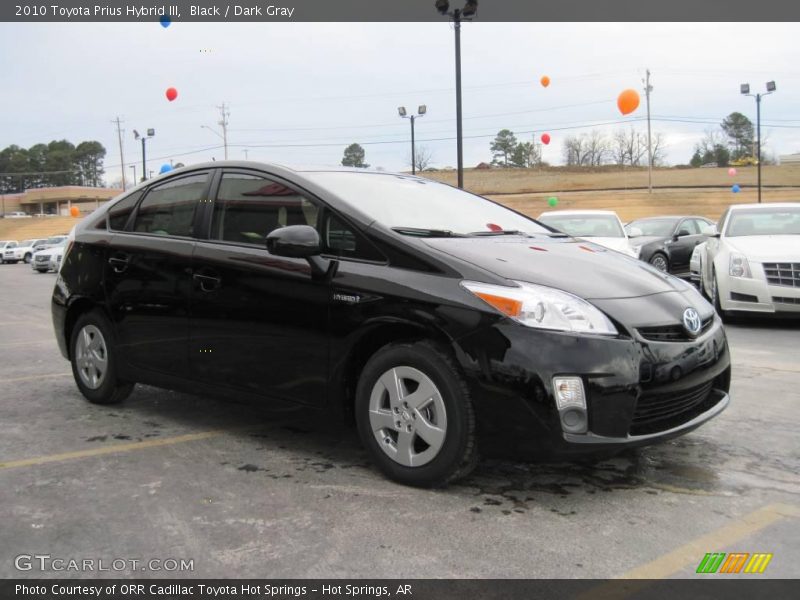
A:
245, 492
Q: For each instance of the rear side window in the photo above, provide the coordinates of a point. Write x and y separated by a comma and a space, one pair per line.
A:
168, 209
249, 207
119, 213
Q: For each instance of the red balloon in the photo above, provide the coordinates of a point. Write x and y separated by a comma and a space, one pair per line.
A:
545, 138
172, 93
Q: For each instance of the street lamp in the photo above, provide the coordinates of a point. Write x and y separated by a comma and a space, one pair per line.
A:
745, 90
401, 110
458, 15
144, 138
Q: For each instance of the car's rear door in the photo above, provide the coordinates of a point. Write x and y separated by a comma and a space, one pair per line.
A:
148, 274
688, 236
258, 322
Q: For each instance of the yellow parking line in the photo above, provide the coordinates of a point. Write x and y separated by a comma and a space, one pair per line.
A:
32, 377
692, 553
115, 449
713, 542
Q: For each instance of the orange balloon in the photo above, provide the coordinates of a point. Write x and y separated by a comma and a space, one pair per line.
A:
628, 101
75, 211
545, 81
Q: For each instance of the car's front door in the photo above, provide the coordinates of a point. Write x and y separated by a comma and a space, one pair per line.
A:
687, 236
258, 322
148, 278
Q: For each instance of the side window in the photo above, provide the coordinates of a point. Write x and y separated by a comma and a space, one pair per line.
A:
703, 226
689, 225
249, 207
169, 208
119, 213
340, 239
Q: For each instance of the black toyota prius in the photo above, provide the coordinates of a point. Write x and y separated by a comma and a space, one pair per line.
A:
439, 320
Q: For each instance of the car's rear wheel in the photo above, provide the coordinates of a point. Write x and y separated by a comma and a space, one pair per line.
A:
27, 258
94, 360
660, 262
415, 415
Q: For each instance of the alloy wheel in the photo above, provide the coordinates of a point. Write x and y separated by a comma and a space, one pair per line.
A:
659, 262
407, 416
91, 356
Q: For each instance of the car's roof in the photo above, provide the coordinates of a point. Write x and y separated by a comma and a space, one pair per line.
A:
766, 205
663, 217
251, 164
577, 212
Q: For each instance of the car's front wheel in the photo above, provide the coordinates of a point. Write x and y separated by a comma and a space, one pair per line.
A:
94, 360
660, 262
415, 415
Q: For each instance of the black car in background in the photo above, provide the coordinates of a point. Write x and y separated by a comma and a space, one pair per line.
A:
437, 319
667, 243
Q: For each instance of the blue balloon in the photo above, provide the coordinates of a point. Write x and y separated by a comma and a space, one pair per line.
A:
165, 168
165, 21
736, 189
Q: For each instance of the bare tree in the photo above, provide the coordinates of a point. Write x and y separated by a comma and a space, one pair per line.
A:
422, 158
574, 151
597, 148
629, 148
659, 150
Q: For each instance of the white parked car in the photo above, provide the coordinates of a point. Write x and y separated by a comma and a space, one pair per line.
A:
6, 244
753, 263
48, 259
602, 227
17, 215
24, 250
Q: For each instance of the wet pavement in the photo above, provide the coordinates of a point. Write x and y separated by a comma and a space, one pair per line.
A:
247, 492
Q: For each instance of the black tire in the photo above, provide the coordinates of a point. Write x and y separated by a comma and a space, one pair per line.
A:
458, 454
27, 259
41, 270
715, 298
111, 389
658, 259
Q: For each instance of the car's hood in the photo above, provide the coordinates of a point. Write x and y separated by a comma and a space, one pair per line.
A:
767, 248
643, 240
576, 266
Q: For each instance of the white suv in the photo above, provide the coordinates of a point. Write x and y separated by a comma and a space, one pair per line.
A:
23, 251
6, 245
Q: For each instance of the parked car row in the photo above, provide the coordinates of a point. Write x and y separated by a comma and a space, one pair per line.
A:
14, 252
49, 259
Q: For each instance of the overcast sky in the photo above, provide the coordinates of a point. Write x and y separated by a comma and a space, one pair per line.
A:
320, 87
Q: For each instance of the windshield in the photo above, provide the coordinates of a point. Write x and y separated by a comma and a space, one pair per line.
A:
27, 243
654, 227
764, 221
585, 225
56, 240
417, 206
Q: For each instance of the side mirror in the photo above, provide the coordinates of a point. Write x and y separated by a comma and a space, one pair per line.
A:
294, 241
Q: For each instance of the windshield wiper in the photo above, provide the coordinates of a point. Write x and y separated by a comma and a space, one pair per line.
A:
421, 232
501, 232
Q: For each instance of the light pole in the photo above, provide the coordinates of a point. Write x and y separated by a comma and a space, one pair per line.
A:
134, 173
144, 138
401, 110
458, 15
745, 90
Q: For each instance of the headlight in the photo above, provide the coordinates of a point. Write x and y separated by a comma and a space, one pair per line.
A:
739, 266
543, 307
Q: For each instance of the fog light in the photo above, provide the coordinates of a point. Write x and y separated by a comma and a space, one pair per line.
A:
569, 392
571, 403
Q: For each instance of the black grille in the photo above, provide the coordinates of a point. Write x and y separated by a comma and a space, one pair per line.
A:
672, 333
787, 274
782, 300
659, 412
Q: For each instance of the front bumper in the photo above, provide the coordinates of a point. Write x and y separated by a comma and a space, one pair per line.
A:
756, 294
638, 392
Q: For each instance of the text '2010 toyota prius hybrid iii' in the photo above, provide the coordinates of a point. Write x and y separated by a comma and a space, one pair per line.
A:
436, 318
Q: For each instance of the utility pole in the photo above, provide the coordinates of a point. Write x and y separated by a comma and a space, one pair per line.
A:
245, 153
647, 89
121, 155
223, 122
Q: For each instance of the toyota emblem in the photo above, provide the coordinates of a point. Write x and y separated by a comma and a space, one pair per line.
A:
691, 321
